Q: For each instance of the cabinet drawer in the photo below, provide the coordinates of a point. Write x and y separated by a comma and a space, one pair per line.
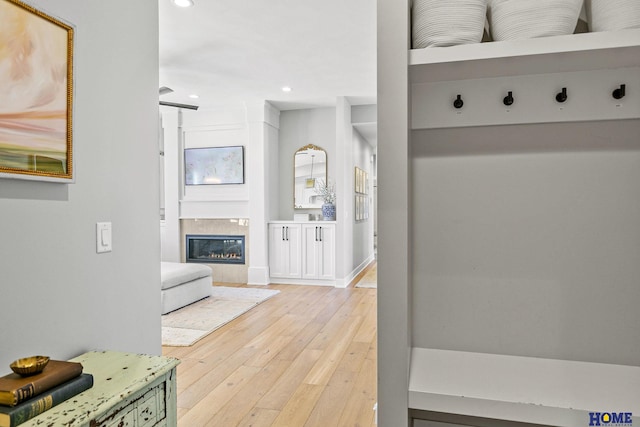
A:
122, 419
151, 407
146, 410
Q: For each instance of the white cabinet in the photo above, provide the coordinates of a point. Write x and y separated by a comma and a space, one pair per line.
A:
284, 250
318, 251
302, 253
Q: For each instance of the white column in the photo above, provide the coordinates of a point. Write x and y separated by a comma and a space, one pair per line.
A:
171, 126
344, 192
262, 120
394, 220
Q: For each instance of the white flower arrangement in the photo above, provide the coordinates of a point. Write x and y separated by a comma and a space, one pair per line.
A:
326, 190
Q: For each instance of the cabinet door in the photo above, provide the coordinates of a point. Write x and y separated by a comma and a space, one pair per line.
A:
278, 251
318, 252
327, 252
310, 251
293, 240
284, 250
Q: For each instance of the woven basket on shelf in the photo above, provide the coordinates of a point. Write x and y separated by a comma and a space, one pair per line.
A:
447, 22
612, 15
526, 19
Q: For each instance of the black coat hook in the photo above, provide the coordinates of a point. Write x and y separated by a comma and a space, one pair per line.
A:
562, 96
458, 103
508, 100
620, 92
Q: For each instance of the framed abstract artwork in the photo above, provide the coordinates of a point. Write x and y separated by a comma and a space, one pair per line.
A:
36, 94
214, 165
361, 208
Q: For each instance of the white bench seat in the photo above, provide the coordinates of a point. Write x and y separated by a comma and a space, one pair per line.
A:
520, 389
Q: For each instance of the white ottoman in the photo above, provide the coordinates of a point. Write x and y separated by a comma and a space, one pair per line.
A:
183, 284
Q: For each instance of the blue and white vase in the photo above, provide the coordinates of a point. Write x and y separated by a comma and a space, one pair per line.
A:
329, 212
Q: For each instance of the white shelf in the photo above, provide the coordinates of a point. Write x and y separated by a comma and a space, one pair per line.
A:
520, 389
576, 52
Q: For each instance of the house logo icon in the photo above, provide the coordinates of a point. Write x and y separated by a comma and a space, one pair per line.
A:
610, 419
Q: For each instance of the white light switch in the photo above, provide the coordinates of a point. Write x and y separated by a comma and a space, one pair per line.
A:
103, 237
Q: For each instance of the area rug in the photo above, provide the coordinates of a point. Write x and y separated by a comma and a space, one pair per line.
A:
370, 279
188, 325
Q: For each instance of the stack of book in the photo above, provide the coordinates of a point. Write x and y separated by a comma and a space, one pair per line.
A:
22, 398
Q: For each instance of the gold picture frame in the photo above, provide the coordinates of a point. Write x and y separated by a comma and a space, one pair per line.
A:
361, 179
36, 94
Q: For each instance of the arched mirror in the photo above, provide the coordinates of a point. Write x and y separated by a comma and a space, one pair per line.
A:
309, 166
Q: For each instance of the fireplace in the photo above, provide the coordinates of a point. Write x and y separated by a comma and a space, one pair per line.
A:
215, 249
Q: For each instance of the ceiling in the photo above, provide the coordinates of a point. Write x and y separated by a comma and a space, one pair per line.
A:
244, 51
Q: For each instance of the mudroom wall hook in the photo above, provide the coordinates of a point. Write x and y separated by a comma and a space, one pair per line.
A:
620, 92
562, 96
508, 100
458, 103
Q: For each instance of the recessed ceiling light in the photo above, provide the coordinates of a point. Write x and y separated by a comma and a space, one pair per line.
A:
286, 89
183, 3
194, 96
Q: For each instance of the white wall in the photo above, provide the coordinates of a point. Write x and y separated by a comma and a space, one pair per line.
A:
344, 187
59, 297
363, 230
215, 128
529, 250
364, 113
298, 128
273, 151
171, 132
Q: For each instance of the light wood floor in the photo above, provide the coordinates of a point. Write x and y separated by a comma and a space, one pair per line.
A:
306, 357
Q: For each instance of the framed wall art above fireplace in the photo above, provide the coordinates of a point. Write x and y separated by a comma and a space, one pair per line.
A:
214, 165
36, 94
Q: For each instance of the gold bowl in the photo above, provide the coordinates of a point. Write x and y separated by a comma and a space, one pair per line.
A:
29, 365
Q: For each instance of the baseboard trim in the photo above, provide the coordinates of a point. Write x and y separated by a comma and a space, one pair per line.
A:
351, 278
306, 282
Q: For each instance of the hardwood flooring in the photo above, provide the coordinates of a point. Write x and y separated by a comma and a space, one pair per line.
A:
306, 357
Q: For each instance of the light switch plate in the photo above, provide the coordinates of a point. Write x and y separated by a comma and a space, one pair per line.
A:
103, 237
